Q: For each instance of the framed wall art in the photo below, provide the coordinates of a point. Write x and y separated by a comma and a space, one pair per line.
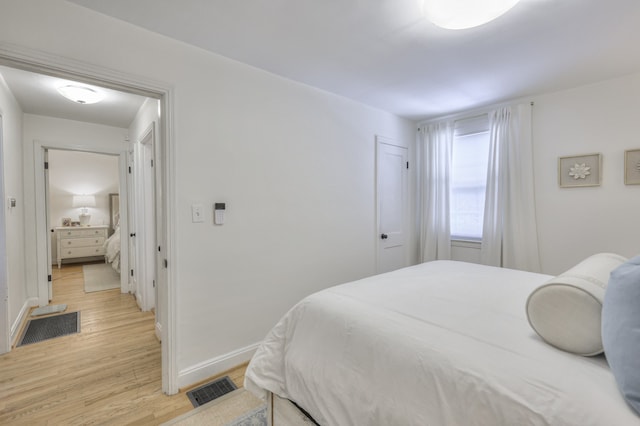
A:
632, 167
579, 170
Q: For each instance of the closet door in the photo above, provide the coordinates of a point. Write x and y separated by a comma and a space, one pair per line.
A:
391, 172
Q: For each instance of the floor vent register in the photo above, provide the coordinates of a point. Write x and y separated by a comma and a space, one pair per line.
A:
211, 391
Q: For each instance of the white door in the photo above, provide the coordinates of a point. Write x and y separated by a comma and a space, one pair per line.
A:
159, 249
391, 189
4, 293
48, 222
147, 239
131, 224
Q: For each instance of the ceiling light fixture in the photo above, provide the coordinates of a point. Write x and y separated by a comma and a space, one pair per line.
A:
80, 94
462, 14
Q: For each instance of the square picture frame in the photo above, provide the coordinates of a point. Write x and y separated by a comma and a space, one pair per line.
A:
580, 170
66, 221
632, 167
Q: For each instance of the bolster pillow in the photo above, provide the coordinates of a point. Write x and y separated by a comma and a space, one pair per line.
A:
566, 311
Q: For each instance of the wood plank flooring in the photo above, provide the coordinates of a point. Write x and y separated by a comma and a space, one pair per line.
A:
109, 373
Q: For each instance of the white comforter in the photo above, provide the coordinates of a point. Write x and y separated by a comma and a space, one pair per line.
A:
112, 249
442, 343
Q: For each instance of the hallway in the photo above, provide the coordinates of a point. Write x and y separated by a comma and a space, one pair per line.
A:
109, 373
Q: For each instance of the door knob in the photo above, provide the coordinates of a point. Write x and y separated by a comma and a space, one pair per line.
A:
384, 236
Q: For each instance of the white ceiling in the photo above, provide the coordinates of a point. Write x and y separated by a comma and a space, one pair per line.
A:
38, 94
385, 54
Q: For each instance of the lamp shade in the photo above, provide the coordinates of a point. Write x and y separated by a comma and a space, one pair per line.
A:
84, 201
461, 14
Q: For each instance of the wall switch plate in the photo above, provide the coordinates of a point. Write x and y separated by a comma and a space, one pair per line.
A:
197, 213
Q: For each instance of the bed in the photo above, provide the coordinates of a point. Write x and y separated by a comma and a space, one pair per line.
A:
441, 343
112, 249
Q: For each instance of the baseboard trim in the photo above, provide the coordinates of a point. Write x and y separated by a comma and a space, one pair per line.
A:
215, 366
16, 327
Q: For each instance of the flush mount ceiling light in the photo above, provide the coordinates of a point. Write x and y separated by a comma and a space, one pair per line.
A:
80, 94
461, 14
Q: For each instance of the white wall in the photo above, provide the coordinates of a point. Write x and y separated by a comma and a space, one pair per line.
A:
294, 164
14, 217
56, 131
574, 223
73, 173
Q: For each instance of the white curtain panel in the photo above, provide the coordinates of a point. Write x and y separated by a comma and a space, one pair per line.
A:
435, 156
509, 235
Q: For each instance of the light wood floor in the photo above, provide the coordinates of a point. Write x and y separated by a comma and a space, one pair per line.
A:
109, 373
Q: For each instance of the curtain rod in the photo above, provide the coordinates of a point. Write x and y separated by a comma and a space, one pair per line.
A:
472, 112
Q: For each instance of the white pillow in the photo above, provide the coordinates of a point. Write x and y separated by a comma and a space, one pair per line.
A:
566, 311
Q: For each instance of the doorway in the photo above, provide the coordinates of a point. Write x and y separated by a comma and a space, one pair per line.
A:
81, 186
25, 59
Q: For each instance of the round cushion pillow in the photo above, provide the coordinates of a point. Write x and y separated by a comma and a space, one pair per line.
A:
566, 311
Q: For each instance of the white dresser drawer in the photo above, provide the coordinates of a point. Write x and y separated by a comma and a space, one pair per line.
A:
68, 253
82, 242
82, 233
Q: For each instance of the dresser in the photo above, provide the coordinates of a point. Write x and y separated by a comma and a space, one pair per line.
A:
76, 242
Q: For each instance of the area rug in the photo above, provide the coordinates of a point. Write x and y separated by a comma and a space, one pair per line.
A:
99, 277
47, 328
48, 310
237, 408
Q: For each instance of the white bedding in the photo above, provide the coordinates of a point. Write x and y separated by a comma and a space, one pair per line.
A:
112, 249
441, 343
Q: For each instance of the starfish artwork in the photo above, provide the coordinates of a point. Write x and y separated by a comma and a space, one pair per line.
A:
580, 171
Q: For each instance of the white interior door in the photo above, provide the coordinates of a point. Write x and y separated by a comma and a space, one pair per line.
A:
147, 240
4, 293
391, 189
132, 223
48, 222
159, 248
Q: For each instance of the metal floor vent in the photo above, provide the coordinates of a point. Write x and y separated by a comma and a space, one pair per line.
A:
46, 328
211, 391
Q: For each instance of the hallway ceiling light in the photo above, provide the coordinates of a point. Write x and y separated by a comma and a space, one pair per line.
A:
80, 94
462, 14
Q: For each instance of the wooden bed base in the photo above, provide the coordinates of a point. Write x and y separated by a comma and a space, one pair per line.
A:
282, 412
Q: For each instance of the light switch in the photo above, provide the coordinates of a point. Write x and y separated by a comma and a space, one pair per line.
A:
197, 213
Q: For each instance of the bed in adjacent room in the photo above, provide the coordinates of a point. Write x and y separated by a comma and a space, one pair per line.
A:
112, 249
112, 244
441, 343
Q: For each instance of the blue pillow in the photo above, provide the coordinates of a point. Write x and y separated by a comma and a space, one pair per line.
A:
621, 329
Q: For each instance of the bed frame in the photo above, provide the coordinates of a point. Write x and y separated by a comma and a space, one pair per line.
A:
282, 412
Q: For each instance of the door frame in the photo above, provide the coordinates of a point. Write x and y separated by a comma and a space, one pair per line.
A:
45, 63
43, 235
5, 328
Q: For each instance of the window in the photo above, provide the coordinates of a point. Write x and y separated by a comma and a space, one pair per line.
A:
469, 177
